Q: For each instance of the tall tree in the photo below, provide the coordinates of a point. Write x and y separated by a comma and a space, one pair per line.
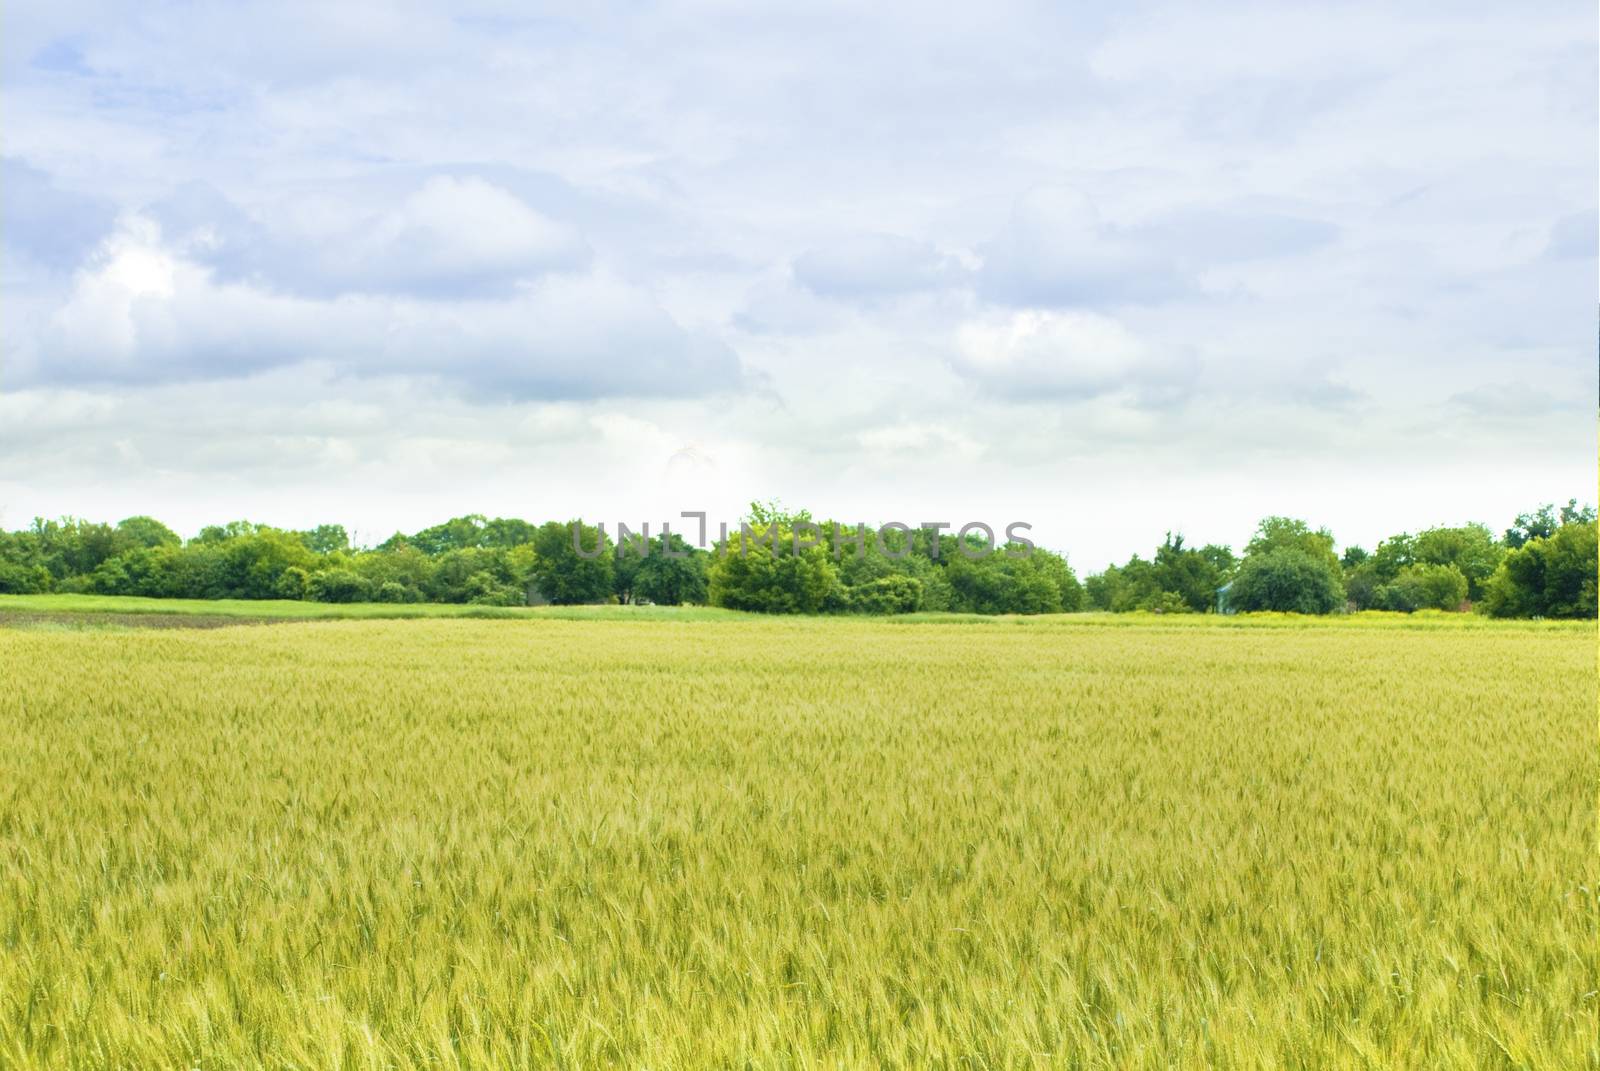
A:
561, 573
1290, 567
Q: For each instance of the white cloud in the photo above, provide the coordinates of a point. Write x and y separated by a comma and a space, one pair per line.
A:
457, 235
141, 313
450, 237
1041, 355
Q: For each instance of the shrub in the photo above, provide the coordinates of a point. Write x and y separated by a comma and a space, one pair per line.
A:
110, 578
1168, 602
1424, 587
21, 580
338, 585
293, 583
894, 594
483, 589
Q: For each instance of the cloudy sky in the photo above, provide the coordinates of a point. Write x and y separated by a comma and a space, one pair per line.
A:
1108, 269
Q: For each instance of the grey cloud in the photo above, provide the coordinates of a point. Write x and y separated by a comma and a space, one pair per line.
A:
1212, 235
868, 267
1269, 109
1057, 252
775, 309
64, 54
1573, 237
53, 226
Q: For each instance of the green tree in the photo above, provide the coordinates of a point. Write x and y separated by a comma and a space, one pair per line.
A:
394, 592
1178, 574
403, 564
253, 562
194, 571
1370, 573
506, 532
1543, 522
1290, 567
326, 539
1192, 575
1423, 586
1133, 586
488, 589
458, 533
1289, 533
1548, 576
895, 593
110, 577
562, 575
627, 558
293, 583
1287, 579
758, 568
1047, 584
221, 533
145, 532
338, 585
451, 574
1470, 548
1100, 589
672, 579
16, 579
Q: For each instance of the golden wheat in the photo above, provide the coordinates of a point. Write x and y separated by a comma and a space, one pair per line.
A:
798, 844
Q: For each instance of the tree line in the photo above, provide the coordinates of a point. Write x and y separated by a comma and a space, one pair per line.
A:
1543, 566
512, 562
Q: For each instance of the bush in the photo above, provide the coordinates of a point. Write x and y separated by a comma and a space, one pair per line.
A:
893, 594
294, 583
338, 585
1424, 587
110, 578
1168, 602
394, 591
484, 590
21, 580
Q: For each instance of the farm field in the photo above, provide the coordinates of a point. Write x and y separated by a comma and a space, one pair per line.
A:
88, 610
595, 839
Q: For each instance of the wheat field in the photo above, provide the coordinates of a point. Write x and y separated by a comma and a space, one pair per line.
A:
759, 843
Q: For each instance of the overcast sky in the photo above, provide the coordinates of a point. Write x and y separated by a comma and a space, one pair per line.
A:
1108, 273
